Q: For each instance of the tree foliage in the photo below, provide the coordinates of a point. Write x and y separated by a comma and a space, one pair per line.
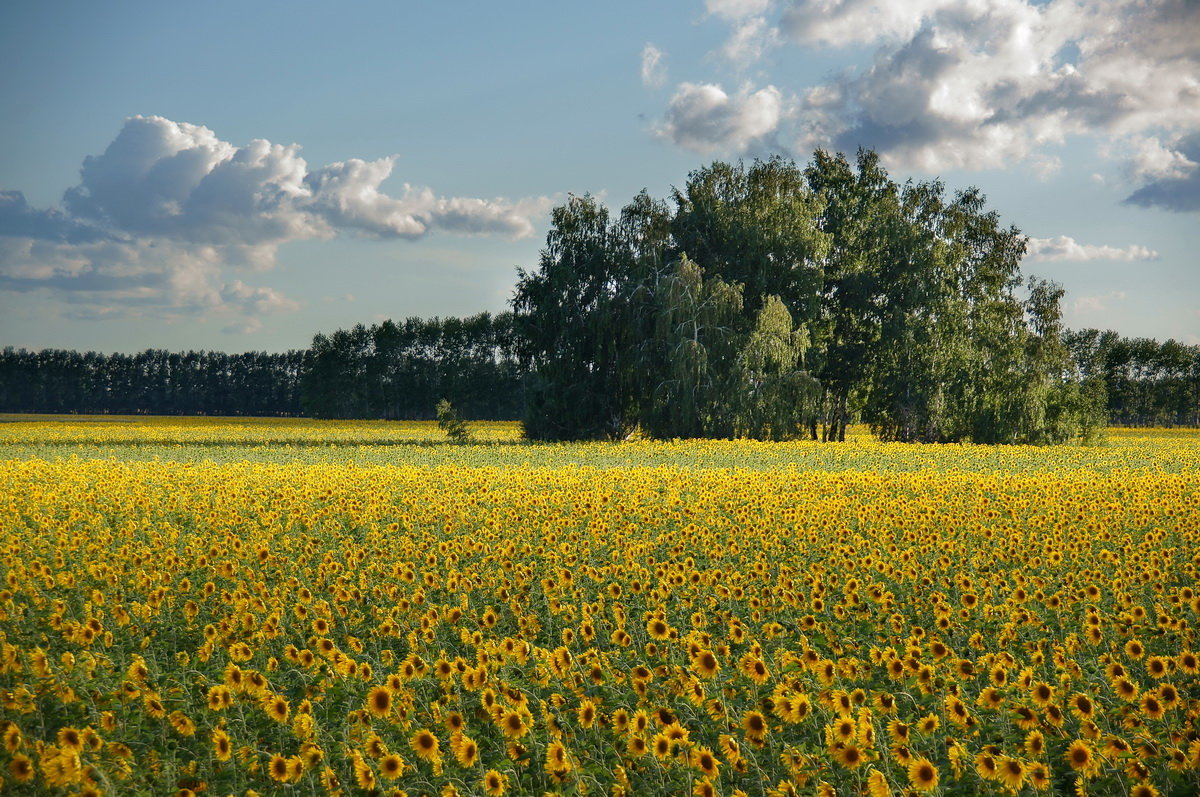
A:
399, 371
771, 300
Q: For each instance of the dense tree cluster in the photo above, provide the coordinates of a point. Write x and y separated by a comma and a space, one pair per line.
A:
400, 371
772, 300
152, 382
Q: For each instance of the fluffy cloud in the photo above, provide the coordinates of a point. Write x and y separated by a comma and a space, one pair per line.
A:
703, 118
985, 84
160, 216
1171, 175
750, 40
1063, 247
654, 71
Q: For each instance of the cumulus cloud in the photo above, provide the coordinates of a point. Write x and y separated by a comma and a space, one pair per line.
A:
750, 40
161, 215
990, 83
654, 71
1170, 175
703, 118
1063, 247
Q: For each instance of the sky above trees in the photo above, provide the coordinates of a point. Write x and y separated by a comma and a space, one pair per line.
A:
239, 177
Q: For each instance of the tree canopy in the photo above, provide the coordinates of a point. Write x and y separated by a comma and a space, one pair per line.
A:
774, 301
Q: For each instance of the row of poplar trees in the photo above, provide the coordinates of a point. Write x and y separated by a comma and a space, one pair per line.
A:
778, 302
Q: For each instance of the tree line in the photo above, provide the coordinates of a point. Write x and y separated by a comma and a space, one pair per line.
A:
389, 370
400, 371
152, 382
769, 301
1145, 382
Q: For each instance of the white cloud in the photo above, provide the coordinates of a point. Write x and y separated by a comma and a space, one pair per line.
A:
736, 9
1150, 160
751, 39
990, 83
168, 207
703, 118
1170, 174
654, 71
1064, 247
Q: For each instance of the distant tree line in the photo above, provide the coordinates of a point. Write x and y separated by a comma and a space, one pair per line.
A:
389, 370
400, 371
152, 382
1146, 383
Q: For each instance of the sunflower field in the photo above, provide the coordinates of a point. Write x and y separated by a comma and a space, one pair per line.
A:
298, 607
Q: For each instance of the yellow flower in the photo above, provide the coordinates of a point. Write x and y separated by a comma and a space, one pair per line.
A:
922, 774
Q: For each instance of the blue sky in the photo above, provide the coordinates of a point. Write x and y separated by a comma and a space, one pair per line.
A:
241, 176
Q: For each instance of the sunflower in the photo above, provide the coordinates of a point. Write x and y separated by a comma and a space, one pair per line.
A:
513, 724
705, 664
1143, 790
1116, 747
379, 701
391, 766
219, 698
1126, 689
1026, 718
425, 745
754, 668
454, 721
985, 764
182, 724
1082, 706
1038, 775
755, 725
658, 629
848, 755
877, 785
1169, 695
636, 746
557, 758
276, 707
586, 714
465, 750
20, 767
1081, 757
1035, 743
1010, 772
661, 745
1152, 707
1041, 693
922, 774
494, 783
222, 747
1158, 666
278, 769
844, 729
703, 759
